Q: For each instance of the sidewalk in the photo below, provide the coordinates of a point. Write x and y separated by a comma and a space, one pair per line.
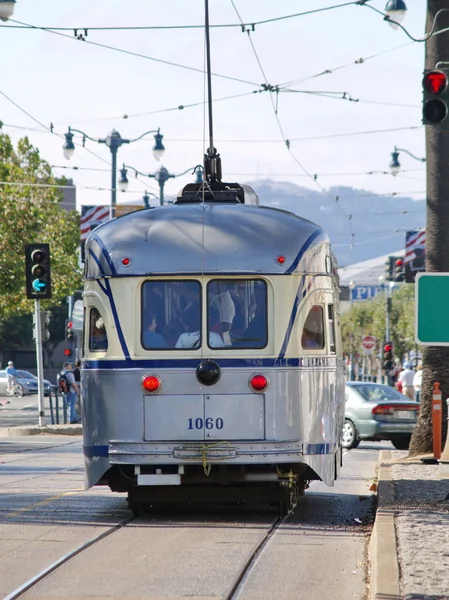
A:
20, 417
409, 547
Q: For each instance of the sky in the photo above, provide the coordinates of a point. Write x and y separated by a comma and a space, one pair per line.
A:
65, 81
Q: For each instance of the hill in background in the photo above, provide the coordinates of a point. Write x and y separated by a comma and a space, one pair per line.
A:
378, 222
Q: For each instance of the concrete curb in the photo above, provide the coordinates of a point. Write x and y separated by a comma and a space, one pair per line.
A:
382, 549
26, 430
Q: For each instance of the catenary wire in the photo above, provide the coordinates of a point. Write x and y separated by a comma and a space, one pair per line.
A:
251, 24
284, 137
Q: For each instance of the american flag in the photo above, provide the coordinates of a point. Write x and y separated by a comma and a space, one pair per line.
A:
414, 240
91, 217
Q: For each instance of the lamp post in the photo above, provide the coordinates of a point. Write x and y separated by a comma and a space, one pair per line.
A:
6, 9
351, 349
161, 176
395, 165
113, 141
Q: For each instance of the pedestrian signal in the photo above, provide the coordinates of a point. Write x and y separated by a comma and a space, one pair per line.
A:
435, 96
37, 271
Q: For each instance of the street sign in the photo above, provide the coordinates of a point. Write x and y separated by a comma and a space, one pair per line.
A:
365, 292
124, 209
432, 297
368, 344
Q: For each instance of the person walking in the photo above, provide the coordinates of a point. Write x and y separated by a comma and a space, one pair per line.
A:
70, 390
12, 377
417, 382
406, 379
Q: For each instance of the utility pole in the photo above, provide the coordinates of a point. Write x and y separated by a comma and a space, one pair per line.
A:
435, 358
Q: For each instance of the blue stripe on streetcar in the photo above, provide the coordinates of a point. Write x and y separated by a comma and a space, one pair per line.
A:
319, 448
306, 245
192, 363
105, 253
96, 451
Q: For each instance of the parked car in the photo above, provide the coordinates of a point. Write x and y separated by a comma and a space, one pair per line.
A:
377, 412
26, 381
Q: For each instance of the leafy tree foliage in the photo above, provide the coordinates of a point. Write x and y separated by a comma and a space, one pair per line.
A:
369, 318
31, 214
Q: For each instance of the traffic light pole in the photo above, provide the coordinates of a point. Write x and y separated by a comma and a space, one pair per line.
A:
39, 360
435, 358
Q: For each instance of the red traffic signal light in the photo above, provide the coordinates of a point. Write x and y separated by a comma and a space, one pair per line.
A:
435, 82
399, 262
388, 348
435, 109
67, 352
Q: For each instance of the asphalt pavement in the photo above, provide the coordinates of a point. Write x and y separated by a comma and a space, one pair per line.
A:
409, 547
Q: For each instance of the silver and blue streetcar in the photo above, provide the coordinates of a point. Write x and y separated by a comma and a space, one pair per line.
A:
212, 354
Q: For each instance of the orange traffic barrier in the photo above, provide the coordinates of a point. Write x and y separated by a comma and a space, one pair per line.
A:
437, 419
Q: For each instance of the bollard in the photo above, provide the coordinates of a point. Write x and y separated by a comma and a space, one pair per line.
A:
437, 424
444, 460
51, 407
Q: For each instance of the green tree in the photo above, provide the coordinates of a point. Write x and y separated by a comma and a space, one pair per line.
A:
369, 318
30, 214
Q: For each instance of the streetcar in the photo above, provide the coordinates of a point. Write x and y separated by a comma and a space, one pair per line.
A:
212, 358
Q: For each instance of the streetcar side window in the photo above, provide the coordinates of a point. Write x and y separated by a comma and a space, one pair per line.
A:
331, 321
237, 313
171, 315
313, 331
98, 338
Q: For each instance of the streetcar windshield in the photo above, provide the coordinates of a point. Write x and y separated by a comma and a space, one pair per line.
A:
171, 315
237, 313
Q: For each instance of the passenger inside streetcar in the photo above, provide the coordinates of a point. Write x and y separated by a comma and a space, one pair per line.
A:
192, 337
151, 339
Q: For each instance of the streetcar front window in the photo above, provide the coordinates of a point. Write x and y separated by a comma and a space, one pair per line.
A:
237, 313
171, 315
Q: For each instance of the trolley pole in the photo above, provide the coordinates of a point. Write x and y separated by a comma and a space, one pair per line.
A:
39, 360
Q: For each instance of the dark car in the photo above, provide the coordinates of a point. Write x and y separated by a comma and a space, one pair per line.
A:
377, 412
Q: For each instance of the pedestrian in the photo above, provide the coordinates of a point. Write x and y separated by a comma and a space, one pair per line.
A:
406, 378
77, 372
70, 390
12, 377
417, 382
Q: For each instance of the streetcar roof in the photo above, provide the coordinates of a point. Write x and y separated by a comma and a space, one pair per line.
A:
204, 238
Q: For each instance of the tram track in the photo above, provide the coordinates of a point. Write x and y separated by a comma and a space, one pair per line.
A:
245, 574
33, 581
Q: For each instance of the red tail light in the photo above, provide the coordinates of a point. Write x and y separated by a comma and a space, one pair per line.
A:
258, 383
388, 409
151, 384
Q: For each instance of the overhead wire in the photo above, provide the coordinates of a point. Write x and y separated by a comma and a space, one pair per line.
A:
252, 24
284, 137
138, 54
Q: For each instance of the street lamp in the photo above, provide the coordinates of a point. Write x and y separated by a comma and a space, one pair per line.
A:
395, 165
161, 176
113, 141
6, 9
395, 10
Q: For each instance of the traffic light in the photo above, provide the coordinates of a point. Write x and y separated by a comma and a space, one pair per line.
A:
69, 331
435, 96
389, 268
68, 352
37, 271
388, 363
399, 271
45, 322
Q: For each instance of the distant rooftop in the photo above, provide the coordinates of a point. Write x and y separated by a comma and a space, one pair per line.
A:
366, 272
